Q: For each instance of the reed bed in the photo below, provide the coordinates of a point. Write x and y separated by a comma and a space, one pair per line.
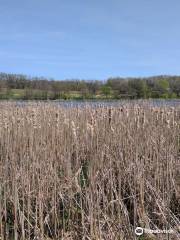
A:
88, 173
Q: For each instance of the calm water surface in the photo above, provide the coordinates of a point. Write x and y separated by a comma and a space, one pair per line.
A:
106, 103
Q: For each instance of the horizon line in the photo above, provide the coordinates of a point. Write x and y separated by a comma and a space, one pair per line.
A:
85, 79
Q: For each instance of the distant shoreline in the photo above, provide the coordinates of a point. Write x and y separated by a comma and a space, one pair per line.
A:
20, 87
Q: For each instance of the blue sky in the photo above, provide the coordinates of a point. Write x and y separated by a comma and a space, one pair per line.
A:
90, 39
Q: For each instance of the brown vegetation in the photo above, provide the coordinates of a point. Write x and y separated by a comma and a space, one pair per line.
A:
88, 173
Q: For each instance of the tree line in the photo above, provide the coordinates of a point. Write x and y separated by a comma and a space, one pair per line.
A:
24, 87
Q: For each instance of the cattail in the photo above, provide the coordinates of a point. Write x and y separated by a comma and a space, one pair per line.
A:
90, 128
88, 172
74, 129
109, 115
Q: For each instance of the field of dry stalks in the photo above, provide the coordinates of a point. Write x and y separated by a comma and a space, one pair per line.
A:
88, 173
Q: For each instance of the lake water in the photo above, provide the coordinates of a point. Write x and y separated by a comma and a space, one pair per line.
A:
106, 103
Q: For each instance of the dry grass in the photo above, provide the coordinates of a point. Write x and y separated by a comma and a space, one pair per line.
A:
88, 173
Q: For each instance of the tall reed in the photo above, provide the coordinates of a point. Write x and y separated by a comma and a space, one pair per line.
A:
88, 173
